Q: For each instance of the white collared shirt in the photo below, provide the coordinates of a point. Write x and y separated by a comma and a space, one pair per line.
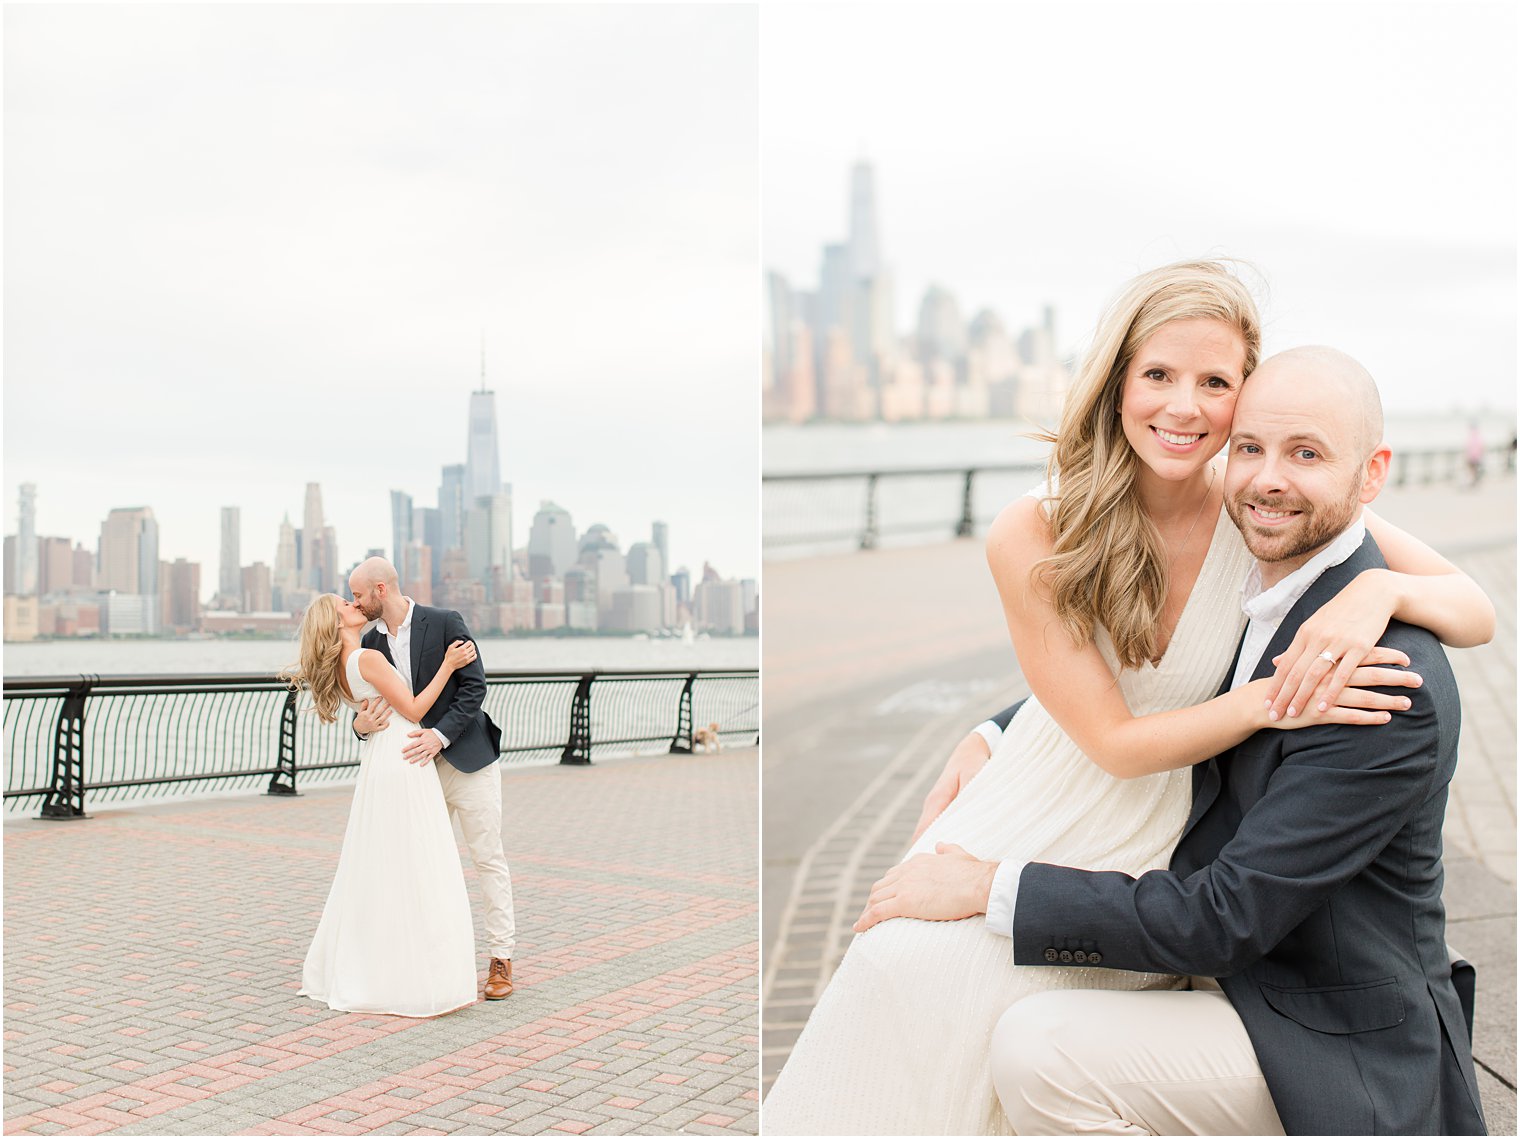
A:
1265, 610
400, 644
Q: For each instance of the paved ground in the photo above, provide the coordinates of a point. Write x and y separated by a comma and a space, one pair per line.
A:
876, 663
152, 957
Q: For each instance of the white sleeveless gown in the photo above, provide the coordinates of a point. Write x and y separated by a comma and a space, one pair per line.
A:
396, 934
897, 1044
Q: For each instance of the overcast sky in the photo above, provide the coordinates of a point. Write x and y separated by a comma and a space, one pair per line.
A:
251, 247
1360, 155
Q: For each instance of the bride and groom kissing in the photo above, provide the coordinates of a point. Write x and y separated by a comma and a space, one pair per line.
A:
396, 935
1213, 833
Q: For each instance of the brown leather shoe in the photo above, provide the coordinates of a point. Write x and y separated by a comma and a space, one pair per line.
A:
499, 980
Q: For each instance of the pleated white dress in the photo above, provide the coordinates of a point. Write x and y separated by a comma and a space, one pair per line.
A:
396, 934
897, 1044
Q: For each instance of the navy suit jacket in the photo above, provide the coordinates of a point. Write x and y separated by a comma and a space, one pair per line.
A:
1308, 880
474, 740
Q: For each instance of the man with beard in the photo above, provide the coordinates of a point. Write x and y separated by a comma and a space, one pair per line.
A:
1304, 896
456, 732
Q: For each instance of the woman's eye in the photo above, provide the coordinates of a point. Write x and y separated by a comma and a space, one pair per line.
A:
1218, 383
1155, 374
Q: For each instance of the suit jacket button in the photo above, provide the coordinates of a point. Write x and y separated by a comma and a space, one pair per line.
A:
1095, 958
1066, 956
1080, 956
1052, 955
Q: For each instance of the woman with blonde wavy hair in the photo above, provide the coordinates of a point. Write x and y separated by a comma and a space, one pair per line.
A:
1120, 579
396, 934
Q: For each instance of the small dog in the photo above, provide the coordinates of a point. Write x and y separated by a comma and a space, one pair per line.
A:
706, 739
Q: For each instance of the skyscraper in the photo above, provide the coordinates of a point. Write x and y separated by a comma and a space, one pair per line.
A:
26, 541
401, 527
483, 457
865, 259
644, 564
661, 535
488, 540
836, 290
551, 542
129, 551
230, 577
182, 593
258, 592
941, 328
451, 508
55, 566
501, 532
287, 573
427, 528
315, 563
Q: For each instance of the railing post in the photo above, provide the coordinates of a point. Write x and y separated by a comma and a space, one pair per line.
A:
65, 798
578, 747
868, 536
683, 742
967, 526
283, 781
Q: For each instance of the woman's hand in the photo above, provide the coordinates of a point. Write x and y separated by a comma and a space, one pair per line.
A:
460, 654
1331, 645
969, 757
1357, 703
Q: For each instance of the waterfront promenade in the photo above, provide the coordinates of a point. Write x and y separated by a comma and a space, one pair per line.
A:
152, 958
876, 663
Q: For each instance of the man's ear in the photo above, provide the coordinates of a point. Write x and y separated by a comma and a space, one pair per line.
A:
1375, 474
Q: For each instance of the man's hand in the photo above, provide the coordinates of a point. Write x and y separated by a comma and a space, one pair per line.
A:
424, 747
372, 716
969, 757
944, 886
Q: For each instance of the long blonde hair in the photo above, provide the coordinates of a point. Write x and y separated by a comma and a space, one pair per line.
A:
321, 653
1109, 565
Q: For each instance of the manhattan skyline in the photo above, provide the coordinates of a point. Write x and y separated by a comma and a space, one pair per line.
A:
1362, 160
286, 278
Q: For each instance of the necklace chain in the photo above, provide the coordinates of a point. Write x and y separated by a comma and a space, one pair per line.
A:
1206, 492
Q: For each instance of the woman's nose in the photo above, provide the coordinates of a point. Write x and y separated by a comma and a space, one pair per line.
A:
1183, 404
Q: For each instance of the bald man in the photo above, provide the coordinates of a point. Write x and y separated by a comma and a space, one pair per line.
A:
456, 737
1304, 897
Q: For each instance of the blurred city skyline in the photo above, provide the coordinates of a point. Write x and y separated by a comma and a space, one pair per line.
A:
252, 248
1361, 160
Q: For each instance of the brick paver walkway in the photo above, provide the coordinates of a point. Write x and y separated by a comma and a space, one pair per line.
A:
152, 958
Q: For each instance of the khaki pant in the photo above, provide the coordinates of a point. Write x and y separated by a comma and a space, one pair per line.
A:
474, 799
1097, 1061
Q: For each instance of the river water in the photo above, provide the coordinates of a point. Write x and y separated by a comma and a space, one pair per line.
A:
802, 519
553, 654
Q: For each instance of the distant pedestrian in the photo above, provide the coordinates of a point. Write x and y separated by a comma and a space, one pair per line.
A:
1475, 454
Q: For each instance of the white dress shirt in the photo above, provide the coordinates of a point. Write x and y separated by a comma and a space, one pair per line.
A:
400, 644
1265, 610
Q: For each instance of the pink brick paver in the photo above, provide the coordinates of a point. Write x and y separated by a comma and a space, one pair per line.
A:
636, 885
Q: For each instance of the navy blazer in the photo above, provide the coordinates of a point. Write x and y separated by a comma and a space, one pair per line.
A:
474, 740
1308, 880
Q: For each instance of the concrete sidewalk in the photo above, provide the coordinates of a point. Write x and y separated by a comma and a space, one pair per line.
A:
877, 663
152, 957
